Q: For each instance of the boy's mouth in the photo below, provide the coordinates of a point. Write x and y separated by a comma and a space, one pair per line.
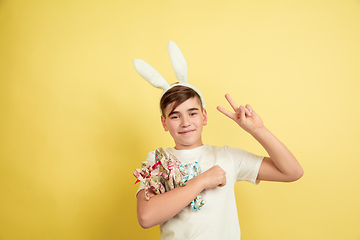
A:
186, 132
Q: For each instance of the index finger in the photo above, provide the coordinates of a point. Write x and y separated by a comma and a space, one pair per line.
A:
226, 112
231, 102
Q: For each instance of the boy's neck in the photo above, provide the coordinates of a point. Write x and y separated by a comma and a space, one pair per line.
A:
182, 147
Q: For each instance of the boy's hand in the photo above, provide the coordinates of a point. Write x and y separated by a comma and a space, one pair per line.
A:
245, 117
213, 177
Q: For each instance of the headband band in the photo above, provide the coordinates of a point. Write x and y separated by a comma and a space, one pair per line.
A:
179, 65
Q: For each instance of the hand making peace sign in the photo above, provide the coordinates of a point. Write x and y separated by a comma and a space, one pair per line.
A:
245, 117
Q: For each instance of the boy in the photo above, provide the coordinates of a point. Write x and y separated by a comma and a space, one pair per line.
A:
218, 218
183, 116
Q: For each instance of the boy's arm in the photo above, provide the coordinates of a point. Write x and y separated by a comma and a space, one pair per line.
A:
162, 207
281, 166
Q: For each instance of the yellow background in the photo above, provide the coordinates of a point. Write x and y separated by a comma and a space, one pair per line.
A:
76, 119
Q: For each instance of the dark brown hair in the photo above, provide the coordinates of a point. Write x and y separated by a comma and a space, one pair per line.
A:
177, 95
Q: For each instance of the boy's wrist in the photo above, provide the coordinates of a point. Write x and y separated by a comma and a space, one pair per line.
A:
259, 132
196, 182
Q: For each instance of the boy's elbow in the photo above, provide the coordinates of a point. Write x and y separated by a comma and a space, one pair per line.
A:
297, 175
145, 221
144, 225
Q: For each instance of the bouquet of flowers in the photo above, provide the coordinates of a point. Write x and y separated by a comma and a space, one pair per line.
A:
166, 174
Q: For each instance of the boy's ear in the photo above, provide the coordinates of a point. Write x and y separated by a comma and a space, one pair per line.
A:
163, 123
205, 117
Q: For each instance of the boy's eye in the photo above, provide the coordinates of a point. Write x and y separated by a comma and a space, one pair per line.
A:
193, 113
174, 117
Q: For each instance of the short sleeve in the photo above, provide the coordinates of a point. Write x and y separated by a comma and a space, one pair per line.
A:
150, 158
246, 164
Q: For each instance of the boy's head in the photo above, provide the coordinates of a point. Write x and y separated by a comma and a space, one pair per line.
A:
182, 105
183, 116
176, 96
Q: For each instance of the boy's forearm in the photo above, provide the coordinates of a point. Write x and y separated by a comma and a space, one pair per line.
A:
280, 155
162, 207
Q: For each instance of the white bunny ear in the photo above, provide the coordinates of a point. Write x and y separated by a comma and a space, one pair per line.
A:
150, 74
178, 62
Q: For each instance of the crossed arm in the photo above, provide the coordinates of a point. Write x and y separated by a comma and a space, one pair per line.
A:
281, 166
160, 208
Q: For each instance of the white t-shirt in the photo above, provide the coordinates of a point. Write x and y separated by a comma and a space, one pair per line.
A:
218, 218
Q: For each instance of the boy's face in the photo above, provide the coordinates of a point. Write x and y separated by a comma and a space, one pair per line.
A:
185, 124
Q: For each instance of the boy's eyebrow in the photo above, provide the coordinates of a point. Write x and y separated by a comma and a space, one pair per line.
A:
172, 113
189, 110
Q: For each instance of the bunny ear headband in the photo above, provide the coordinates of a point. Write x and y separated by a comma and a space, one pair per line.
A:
179, 65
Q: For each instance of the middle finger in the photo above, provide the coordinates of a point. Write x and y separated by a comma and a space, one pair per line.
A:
232, 103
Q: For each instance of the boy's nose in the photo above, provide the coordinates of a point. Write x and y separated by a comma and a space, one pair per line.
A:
185, 122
